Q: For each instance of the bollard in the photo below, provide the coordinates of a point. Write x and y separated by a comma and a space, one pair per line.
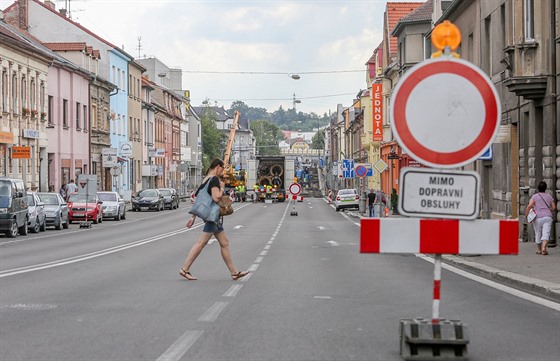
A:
424, 340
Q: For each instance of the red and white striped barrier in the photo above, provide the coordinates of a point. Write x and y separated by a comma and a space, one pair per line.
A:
232, 195
330, 195
297, 198
443, 236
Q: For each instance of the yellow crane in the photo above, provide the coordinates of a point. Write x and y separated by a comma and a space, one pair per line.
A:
229, 175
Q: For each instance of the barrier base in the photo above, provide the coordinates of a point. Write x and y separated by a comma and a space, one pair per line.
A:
422, 339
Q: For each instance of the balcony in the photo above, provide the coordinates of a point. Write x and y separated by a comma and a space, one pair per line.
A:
528, 87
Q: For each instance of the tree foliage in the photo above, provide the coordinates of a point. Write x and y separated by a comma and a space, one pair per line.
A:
213, 141
267, 136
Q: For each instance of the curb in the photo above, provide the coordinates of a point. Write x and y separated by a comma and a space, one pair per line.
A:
535, 286
532, 285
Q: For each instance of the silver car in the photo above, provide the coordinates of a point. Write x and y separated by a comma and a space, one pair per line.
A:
347, 198
113, 205
36, 210
56, 209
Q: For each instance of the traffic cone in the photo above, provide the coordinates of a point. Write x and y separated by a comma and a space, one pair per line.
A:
386, 211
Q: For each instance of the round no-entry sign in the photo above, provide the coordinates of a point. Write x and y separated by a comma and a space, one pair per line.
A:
295, 189
445, 112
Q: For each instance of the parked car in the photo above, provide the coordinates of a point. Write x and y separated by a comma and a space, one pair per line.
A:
85, 208
13, 207
36, 213
113, 205
170, 197
347, 198
147, 199
56, 209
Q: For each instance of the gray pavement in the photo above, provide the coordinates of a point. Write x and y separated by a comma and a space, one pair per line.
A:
527, 271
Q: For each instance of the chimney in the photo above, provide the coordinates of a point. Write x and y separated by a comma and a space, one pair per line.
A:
62, 12
50, 4
23, 15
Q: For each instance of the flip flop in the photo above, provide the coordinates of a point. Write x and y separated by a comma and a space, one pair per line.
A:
239, 275
187, 275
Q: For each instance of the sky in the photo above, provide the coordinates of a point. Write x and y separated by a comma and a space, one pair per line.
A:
247, 50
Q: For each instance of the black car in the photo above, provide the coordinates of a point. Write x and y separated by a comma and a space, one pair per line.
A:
148, 199
170, 197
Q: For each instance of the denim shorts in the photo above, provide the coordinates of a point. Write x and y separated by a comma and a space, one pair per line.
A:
213, 227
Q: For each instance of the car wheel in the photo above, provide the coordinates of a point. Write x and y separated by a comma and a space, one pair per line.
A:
23, 229
43, 226
158, 208
177, 204
13, 231
100, 218
337, 209
118, 217
124, 214
65, 224
36, 227
58, 225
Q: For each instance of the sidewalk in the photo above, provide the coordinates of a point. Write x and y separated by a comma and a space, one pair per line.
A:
526, 271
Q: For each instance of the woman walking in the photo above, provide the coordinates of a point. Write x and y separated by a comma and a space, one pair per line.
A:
544, 205
215, 189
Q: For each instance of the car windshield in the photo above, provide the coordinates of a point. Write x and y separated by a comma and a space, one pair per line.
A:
49, 199
5, 188
346, 192
76, 197
30, 200
148, 193
165, 192
109, 197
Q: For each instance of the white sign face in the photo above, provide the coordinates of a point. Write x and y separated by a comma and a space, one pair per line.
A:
380, 165
439, 194
109, 157
445, 112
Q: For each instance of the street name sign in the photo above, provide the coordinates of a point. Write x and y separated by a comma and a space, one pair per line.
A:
439, 194
445, 112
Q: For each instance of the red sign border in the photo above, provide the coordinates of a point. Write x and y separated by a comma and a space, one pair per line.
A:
470, 73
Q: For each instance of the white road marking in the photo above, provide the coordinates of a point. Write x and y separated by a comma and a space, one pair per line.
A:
259, 259
512, 291
322, 297
232, 292
264, 253
238, 226
181, 346
267, 246
84, 257
333, 243
253, 268
213, 312
321, 228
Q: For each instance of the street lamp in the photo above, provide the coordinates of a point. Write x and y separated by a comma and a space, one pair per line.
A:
295, 101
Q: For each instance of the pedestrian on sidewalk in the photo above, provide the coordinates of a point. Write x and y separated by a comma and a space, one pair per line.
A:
216, 190
371, 202
543, 204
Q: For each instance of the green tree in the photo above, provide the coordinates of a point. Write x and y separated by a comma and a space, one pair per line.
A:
318, 140
213, 141
267, 136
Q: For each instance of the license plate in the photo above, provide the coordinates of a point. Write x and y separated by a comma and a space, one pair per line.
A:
78, 214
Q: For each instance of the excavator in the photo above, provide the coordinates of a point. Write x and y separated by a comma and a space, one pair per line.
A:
231, 179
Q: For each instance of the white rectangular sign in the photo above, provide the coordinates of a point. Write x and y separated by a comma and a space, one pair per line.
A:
439, 193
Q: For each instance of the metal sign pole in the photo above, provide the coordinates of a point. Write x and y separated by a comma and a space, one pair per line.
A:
437, 286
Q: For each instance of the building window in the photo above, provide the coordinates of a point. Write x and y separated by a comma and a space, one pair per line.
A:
24, 92
78, 125
15, 105
85, 117
94, 117
528, 19
42, 97
32, 93
65, 113
4, 90
50, 108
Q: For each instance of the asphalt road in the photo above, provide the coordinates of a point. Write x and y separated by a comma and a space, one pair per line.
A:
113, 293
